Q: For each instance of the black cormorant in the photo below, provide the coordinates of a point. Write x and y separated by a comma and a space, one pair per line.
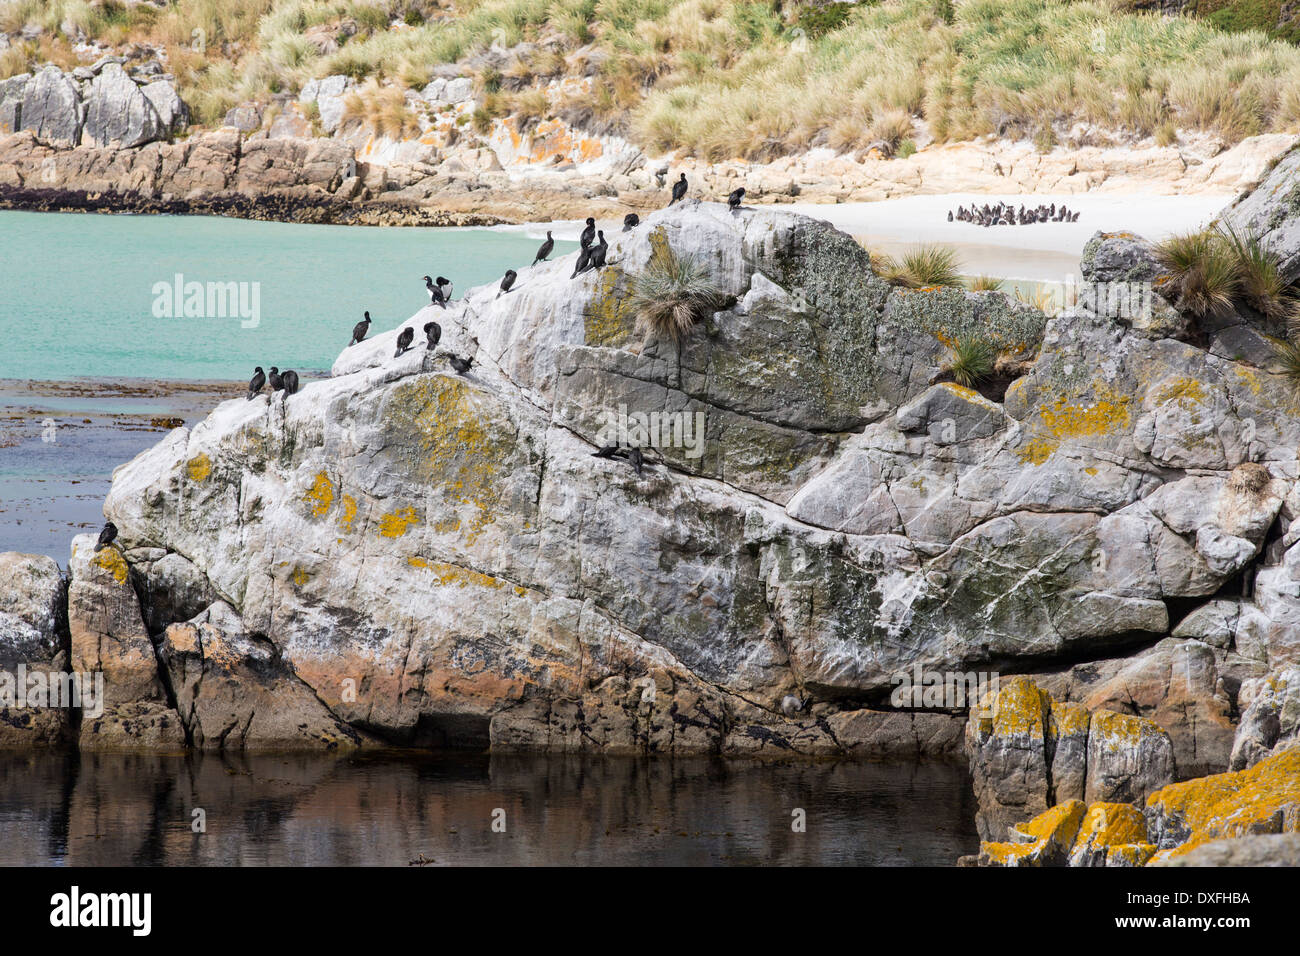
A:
432, 333
588, 234
276, 381
404, 338
106, 536
545, 250
736, 197
631, 221
290, 379
598, 252
461, 365
584, 260
360, 329
679, 189
507, 282
436, 294
256, 382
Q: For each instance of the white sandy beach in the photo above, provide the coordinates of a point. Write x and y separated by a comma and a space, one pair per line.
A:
1041, 252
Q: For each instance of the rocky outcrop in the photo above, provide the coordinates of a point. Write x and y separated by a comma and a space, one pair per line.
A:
1281, 849
1029, 753
1270, 721
52, 109
119, 113
1262, 800
32, 641
1074, 834
1271, 211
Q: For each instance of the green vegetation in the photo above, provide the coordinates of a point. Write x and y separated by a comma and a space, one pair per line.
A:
984, 283
926, 266
972, 360
672, 294
752, 79
1215, 268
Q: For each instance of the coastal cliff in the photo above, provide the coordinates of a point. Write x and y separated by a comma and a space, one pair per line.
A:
401, 554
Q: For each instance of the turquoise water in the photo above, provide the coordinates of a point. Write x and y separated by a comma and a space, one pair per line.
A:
77, 292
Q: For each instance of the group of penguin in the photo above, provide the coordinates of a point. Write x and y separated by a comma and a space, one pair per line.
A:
1002, 214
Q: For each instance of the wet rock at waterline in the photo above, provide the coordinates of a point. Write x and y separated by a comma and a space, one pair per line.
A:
32, 637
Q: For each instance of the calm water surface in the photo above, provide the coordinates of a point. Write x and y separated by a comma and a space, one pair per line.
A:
389, 810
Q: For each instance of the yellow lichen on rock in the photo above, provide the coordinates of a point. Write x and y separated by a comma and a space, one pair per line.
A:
394, 524
111, 560
1111, 411
1262, 799
348, 514
320, 495
199, 467
1042, 841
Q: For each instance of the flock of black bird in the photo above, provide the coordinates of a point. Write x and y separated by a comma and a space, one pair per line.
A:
1002, 214
591, 256
286, 381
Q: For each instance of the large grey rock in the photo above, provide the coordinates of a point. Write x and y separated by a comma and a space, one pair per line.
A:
31, 602
1270, 720
329, 94
1271, 211
118, 112
11, 102
172, 111
52, 108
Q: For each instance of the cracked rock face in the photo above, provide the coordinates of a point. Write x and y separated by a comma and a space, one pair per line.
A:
439, 557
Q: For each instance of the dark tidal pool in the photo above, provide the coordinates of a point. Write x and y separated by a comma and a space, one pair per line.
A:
390, 810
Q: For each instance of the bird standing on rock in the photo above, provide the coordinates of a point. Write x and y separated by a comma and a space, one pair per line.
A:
256, 382
584, 260
461, 365
588, 234
545, 250
276, 381
598, 253
432, 333
106, 536
436, 294
679, 190
631, 221
360, 329
736, 197
507, 282
290, 379
404, 338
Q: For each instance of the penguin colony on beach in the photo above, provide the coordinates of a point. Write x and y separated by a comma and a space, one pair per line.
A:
1002, 214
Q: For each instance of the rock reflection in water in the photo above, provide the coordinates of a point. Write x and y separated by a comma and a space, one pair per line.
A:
114, 809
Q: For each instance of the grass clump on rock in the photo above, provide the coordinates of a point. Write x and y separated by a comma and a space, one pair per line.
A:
671, 294
972, 361
1204, 269
924, 267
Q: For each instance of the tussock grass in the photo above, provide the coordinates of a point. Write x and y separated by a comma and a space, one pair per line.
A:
671, 295
747, 78
971, 360
1205, 271
1260, 274
984, 283
382, 109
923, 267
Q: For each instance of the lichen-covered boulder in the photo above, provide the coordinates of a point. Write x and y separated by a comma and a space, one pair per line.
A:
1045, 840
1277, 849
108, 636
1128, 758
11, 102
1111, 834
1264, 799
1270, 721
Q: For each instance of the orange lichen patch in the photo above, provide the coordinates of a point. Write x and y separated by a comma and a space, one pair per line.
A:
1045, 838
349, 513
1090, 470
320, 495
1063, 420
299, 577
448, 525
1067, 719
198, 467
1110, 824
1130, 854
394, 524
111, 560
1263, 799
967, 393
454, 574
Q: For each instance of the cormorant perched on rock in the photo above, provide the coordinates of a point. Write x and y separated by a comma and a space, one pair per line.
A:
360, 329
277, 382
736, 197
256, 382
106, 536
545, 250
436, 294
598, 253
404, 338
588, 234
461, 365
584, 260
290, 379
679, 189
635, 458
631, 221
432, 333
607, 451
507, 282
